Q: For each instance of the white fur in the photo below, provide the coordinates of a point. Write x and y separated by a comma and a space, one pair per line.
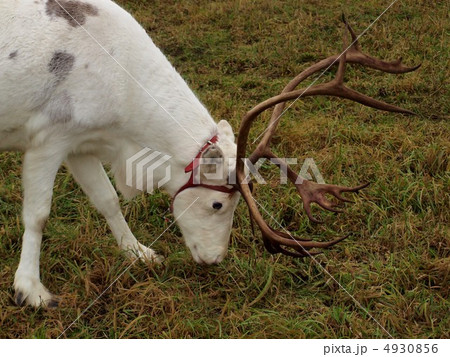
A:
97, 112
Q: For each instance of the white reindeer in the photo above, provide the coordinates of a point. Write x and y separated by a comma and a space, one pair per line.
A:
82, 83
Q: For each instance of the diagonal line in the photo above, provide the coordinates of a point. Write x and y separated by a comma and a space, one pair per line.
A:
325, 70
132, 263
236, 284
324, 270
126, 71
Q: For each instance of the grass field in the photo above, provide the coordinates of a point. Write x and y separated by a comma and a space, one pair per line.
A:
234, 54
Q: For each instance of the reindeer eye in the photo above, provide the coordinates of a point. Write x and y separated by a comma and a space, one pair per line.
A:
217, 205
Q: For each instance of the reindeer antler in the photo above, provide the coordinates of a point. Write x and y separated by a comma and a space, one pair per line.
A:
277, 241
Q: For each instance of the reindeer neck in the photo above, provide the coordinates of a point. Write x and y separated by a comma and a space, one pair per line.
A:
163, 113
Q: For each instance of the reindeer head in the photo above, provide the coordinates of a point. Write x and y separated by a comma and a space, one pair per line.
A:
210, 218
205, 206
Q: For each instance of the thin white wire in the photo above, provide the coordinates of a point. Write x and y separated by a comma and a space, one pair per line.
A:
127, 72
326, 271
132, 263
325, 70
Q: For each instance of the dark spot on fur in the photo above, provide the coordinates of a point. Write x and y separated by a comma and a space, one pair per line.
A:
75, 12
19, 298
59, 108
86, 66
61, 64
13, 55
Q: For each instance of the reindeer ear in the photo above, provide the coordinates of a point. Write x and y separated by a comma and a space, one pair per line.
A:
215, 158
226, 130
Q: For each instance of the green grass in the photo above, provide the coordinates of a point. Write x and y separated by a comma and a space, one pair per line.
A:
235, 54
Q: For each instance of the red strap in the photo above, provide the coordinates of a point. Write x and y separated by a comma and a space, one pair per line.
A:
193, 165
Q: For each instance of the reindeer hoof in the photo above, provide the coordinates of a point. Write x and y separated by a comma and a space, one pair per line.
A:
144, 254
31, 292
53, 304
19, 299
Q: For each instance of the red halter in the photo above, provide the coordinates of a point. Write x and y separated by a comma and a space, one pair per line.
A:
192, 166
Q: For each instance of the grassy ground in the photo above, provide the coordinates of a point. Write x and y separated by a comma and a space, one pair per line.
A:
235, 54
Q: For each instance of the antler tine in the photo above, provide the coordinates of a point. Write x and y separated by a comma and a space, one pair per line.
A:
311, 192
394, 67
274, 245
355, 42
339, 79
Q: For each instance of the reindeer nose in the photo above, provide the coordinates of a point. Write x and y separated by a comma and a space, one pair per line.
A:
214, 261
